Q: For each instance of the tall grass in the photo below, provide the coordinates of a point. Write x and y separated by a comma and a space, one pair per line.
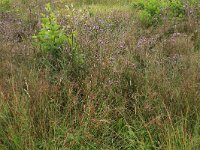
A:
139, 88
105, 2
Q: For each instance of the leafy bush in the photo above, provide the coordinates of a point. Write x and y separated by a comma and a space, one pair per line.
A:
177, 8
146, 18
55, 45
150, 12
51, 38
5, 5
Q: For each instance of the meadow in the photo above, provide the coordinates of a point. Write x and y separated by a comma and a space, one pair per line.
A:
99, 75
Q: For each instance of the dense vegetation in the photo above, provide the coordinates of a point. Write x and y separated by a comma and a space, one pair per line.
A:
100, 74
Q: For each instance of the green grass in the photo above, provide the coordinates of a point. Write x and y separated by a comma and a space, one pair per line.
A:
107, 9
138, 87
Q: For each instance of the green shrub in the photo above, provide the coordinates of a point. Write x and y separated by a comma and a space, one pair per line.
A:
51, 38
58, 49
177, 8
146, 18
5, 5
149, 12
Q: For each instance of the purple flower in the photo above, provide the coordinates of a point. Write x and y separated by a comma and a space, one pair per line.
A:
96, 27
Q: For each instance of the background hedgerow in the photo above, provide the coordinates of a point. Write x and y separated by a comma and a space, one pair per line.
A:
149, 11
152, 12
95, 79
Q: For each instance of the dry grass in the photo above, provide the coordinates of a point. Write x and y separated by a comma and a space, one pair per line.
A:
140, 90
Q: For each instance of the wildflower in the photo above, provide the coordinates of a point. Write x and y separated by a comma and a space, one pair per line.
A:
96, 27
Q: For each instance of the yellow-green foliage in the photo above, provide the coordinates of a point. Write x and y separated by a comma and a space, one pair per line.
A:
58, 43
5, 5
151, 12
51, 36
